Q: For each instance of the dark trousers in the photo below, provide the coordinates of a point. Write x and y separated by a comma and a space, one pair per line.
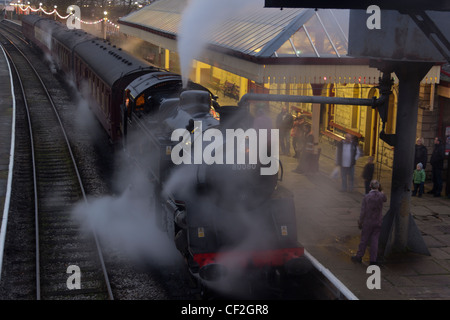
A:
367, 186
418, 187
437, 180
369, 236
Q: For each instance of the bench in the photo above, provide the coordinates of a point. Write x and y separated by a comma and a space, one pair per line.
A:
344, 129
214, 84
332, 135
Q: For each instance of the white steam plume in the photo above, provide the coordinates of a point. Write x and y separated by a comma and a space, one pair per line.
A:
200, 19
126, 223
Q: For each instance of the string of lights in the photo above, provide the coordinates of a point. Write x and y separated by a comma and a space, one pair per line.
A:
25, 8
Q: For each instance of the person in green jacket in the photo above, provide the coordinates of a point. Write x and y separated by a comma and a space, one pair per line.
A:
418, 180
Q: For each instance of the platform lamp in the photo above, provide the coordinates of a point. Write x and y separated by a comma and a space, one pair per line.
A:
55, 6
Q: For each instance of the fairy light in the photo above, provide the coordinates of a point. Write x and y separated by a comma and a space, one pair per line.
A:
28, 7
89, 22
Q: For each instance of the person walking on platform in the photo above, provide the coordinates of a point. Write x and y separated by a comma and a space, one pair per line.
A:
418, 180
437, 165
347, 152
370, 220
284, 124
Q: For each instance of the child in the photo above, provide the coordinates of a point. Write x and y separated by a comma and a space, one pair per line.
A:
368, 173
418, 180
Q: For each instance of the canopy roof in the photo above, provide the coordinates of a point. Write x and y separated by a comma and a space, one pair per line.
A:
265, 32
295, 45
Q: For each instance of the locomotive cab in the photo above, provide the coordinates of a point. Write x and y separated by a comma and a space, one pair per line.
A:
146, 93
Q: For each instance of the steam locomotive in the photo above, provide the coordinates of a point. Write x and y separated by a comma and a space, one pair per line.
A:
222, 217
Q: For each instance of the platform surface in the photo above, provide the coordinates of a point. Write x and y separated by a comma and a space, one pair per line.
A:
327, 227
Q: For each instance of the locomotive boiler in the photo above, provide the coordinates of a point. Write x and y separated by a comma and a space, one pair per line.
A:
223, 215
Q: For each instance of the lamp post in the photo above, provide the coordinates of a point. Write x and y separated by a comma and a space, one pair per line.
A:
55, 6
105, 13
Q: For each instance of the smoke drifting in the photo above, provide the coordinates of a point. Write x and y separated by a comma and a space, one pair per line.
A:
127, 222
201, 19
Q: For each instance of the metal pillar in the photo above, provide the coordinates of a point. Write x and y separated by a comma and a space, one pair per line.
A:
399, 232
315, 125
104, 28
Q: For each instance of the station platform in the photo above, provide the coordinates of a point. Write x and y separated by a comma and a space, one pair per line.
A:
327, 227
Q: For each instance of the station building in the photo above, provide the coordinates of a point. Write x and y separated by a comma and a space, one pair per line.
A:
291, 51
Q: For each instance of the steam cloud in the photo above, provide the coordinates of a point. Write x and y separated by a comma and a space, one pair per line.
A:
199, 22
126, 222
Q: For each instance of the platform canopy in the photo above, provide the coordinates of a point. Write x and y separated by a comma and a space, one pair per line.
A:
293, 45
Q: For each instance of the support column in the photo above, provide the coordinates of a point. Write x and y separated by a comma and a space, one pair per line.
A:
166, 59
316, 121
315, 125
399, 232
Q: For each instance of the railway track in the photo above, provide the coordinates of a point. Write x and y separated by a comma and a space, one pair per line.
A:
46, 185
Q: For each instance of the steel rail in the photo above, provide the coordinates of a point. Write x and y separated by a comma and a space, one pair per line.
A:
36, 207
100, 253
4, 221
